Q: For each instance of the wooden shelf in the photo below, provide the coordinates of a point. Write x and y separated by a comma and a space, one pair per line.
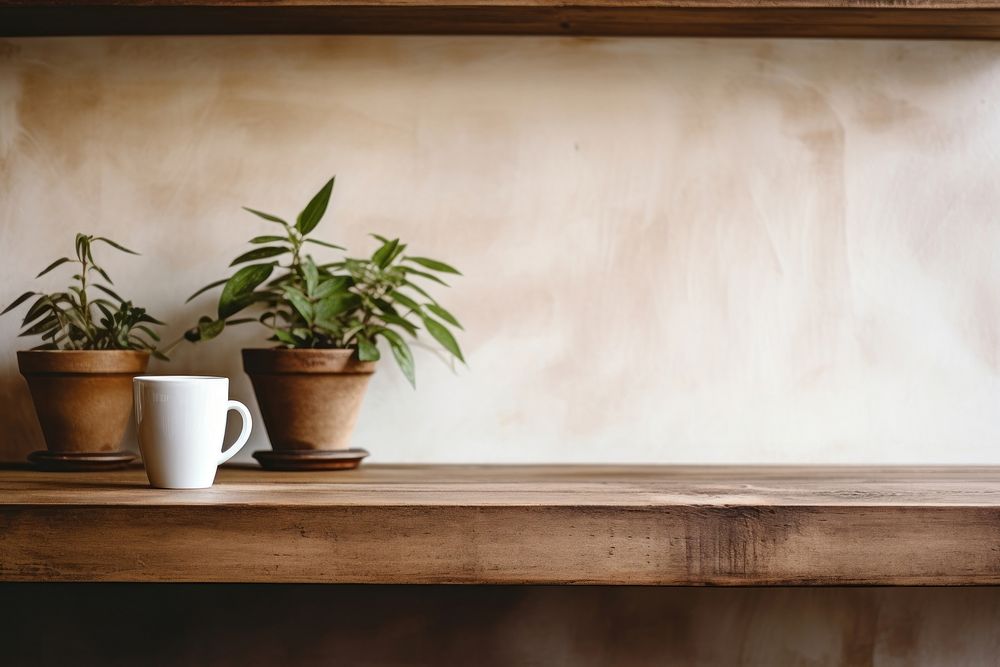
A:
511, 524
935, 19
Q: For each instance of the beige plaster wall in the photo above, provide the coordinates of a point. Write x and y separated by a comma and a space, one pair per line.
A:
674, 250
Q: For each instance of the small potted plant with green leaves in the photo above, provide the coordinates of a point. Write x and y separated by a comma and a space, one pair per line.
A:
325, 320
93, 343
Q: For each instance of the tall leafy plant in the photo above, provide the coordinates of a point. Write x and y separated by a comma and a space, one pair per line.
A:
77, 319
350, 303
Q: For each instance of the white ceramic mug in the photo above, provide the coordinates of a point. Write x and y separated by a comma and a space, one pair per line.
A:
181, 421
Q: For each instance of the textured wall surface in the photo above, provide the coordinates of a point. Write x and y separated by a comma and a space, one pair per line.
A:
674, 250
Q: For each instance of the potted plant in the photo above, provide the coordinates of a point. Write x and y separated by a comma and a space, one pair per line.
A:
325, 320
80, 376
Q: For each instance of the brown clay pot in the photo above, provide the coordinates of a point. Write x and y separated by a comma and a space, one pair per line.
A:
309, 399
83, 398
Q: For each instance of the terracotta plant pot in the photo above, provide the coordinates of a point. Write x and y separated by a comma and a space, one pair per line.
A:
309, 399
83, 398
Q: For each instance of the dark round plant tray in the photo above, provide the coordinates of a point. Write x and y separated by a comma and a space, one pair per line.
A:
310, 459
80, 461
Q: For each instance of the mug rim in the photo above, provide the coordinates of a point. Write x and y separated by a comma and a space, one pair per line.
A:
176, 378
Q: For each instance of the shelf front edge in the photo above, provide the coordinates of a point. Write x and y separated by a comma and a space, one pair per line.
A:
671, 545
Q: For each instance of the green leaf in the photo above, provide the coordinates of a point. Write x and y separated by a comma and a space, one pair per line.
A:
248, 299
209, 328
418, 289
325, 244
332, 286
385, 306
432, 264
443, 314
105, 311
82, 245
429, 276
336, 304
367, 350
41, 305
347, 335
281, 280
109, 292
403, 355
103, 273
205, 288
242, 283
332, 265
327, 325
397, 249
268, 239
300, 302
48, 323
266, 216
400, 322
397, 252
59, 297
285, 337
259, 253
314, 210
443, 336
77, 320
384, 254
116, 245
17, 302
58, 262
406, 301
312, 275
293, 290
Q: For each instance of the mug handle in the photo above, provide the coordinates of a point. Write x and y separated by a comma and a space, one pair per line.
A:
244, 434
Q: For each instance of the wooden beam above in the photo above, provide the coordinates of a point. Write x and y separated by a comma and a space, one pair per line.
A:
511, 524
933, 19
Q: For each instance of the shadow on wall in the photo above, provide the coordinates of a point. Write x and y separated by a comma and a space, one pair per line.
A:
221, 625
21, 433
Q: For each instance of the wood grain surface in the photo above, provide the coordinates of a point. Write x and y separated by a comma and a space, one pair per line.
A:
511, 524
934, 19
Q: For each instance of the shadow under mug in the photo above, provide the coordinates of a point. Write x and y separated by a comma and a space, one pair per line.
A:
181, 422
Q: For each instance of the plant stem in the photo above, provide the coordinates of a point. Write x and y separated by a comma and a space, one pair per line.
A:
83, 294
168, 348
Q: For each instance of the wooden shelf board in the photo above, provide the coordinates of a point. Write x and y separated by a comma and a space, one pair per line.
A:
935, 19
676, 525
